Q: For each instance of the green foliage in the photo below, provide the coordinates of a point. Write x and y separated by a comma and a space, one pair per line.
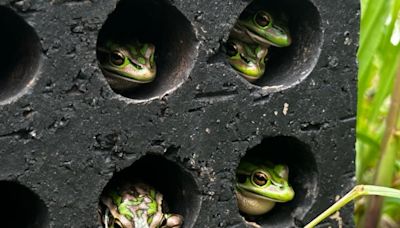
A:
393, 196
378, 57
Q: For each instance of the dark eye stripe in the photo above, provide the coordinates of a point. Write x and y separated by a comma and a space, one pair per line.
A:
137, 66
244, 58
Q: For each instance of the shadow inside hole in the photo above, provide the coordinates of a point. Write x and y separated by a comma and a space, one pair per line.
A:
21, 208
302, 177
177, 186
159, 23
288, 66
19, 56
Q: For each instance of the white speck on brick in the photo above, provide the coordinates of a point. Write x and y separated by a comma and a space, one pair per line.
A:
285, 108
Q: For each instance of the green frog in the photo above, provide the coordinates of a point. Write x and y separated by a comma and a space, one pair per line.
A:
249, 41
261, 28
247, 59
126, 66
136, 205
260, 185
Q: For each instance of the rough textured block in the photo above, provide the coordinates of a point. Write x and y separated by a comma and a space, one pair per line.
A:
64, 133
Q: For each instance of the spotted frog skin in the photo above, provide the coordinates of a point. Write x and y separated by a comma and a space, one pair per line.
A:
249, 41
260, 185
136, 206
126, 66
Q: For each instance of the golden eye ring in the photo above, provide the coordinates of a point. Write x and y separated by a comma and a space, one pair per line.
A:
260, 178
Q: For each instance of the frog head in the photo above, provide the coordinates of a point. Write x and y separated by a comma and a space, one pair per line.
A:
260, 185
131, 63
262, 28
247, 59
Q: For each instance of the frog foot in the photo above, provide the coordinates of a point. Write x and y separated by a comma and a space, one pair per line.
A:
252, 224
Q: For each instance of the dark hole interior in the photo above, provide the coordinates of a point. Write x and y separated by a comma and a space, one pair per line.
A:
19, 56
177, 186
302, 177
162, 24
289, 65
21, 208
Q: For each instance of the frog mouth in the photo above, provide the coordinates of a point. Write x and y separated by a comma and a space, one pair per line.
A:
245, 31
248, 77
252, 194
112, 74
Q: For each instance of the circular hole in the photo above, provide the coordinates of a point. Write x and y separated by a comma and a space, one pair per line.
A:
153, 23
21, 207
287, 66
19, 56
178, 188
302, 167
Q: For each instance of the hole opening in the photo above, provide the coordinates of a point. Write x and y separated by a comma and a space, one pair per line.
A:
153, 22
20, 55
179, 190
288, 66
302, 177
21, 207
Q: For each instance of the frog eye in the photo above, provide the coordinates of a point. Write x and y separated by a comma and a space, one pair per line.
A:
260, 178
262, 19
231, 49
117, 58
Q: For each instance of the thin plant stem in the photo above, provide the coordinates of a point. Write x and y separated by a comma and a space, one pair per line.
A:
385, 168
357, 191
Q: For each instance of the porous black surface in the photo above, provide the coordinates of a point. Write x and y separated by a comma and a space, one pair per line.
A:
64, 132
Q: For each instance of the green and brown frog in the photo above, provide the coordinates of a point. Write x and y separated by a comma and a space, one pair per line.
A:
136, 205
247, 59
250, 38
127, 65
260, 185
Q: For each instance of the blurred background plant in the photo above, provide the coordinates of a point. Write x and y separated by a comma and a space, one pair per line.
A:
378, 122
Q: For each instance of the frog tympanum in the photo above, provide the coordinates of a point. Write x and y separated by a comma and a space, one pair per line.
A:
255, 32
260, 185
126, 66
136, 205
